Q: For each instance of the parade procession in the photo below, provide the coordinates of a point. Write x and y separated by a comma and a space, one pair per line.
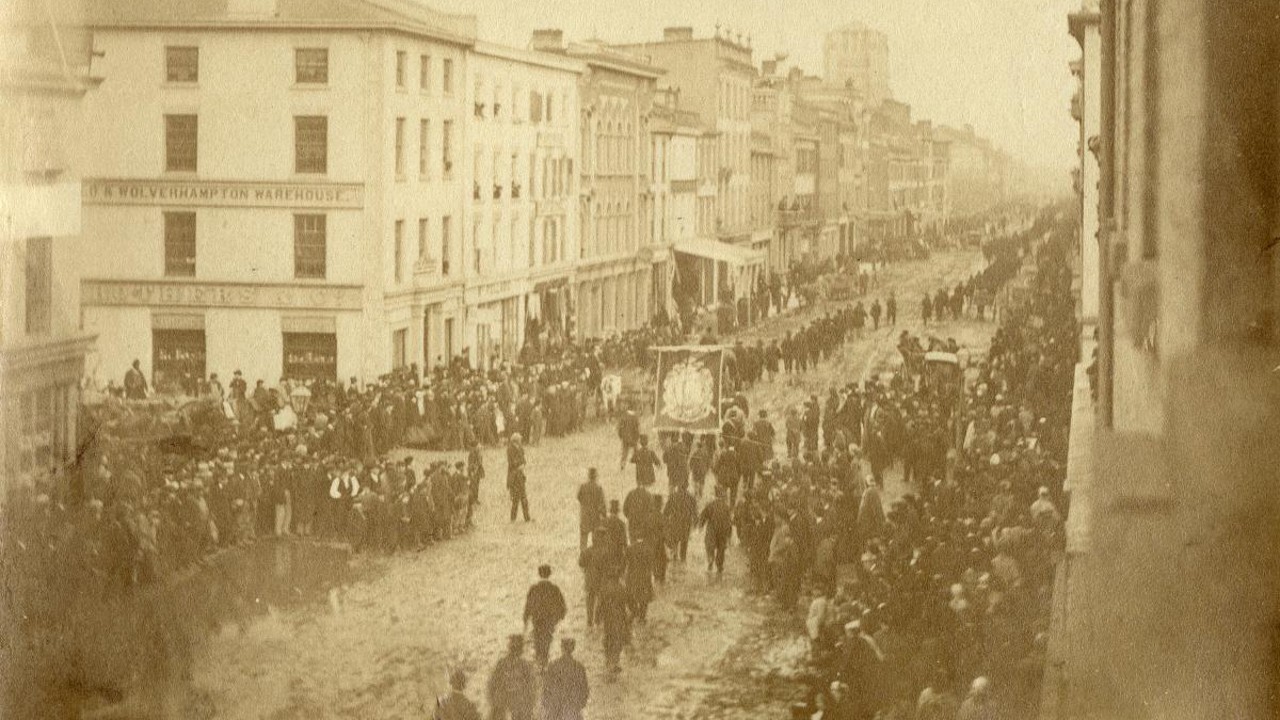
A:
399, 359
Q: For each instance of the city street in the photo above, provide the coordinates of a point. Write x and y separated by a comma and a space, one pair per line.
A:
382, 647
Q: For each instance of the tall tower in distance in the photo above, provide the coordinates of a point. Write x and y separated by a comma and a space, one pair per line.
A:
858, 55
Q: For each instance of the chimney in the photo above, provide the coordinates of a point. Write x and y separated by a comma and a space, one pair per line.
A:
551, 40
769, 67
674, 34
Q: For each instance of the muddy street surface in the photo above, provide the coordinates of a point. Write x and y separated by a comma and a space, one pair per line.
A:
382, 647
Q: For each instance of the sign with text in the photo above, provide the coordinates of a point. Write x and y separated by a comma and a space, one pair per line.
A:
228, 295
688, 393
106, 191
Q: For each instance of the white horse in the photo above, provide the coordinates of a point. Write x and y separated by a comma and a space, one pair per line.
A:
610, 391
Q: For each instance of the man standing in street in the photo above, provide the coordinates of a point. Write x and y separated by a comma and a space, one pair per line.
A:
475, 473
456, 705
511, 686
135, 383
516, 478
891, 309
678, 519
591, 507
645, 461
544, 608
628, 434
616, 619
676, 458
718, 520
565, 689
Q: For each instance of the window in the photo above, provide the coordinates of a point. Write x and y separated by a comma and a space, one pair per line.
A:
310, 356
401, 60
309, 246
446, 147
180, 139
535, 107
447, 76
311, 144
398, 260
177, 359
39, 298
311, 66
180, 244
400, 147
182, 64
400, 348
423, 231
424, 145
424, 72
446, 252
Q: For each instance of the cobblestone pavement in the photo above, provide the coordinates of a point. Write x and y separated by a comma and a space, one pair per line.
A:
382, 646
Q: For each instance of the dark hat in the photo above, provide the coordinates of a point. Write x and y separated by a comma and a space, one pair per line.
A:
544, 571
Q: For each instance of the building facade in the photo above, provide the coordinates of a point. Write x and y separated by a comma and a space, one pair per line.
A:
280, 195
1165, 604
614, 267
522, 205
42, 155
676, 135
714, 77
857, 57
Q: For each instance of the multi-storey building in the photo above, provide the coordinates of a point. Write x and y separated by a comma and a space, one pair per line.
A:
45, 57
1086, 108
843, 125
978, 171
522, 208
676, 135
715, 76
764, 192
857, 57
1165, 604
613, 277
276, 188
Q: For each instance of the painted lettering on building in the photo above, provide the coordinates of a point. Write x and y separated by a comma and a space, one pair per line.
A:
194, 294
105, 191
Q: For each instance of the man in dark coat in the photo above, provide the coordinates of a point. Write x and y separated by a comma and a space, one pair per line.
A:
516, 478
135, 383
639, 508
676, 458
645, 461
511, 686
456, 705
615, 616
628, 435
544, 608
717, 517
612, 535
639, 577
679, 516
565, 689
591, 507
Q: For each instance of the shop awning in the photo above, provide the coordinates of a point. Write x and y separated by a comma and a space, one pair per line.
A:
721, 252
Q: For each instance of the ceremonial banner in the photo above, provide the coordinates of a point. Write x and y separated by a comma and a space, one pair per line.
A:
688, 392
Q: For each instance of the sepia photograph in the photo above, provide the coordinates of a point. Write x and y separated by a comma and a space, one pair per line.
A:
604, 360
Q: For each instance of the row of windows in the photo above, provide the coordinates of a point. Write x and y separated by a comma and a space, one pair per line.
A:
178, 358
424, 257
554, 180
424, 148
540, 109
311, 67
486, 238
310, 243
310, 145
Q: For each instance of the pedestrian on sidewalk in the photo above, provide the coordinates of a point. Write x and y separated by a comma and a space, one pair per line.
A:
544, 608
566, 689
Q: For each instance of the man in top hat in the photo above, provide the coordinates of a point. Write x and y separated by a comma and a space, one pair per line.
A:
544, 608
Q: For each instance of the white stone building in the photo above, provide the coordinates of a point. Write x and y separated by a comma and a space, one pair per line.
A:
521, 203
275, 188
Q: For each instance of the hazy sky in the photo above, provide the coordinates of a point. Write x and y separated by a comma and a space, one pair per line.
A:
998, 64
